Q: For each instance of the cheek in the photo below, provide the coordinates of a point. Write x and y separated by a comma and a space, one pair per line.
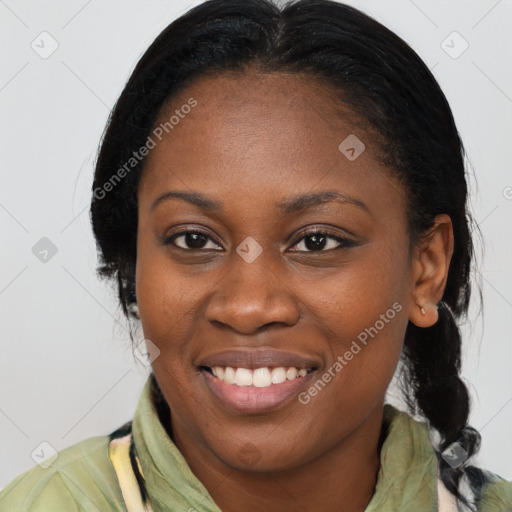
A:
354, 298
168, 314
166, 308
365, 345
362, 313
171, 304
158, 293
157, 284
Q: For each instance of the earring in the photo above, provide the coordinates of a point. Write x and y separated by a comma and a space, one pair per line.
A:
423, 312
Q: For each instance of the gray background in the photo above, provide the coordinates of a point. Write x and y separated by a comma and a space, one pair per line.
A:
67, 371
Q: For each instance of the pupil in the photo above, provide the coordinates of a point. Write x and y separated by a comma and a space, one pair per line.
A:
319, 242
195, 240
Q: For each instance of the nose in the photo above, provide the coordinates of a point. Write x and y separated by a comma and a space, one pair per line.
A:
252, 295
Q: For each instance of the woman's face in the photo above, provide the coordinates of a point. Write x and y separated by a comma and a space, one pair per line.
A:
252, 291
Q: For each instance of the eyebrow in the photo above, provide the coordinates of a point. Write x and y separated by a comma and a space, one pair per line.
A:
290, 205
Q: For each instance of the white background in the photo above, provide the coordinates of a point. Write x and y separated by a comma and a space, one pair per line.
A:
67, 371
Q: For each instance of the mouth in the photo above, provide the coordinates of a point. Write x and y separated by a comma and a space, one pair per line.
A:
256, 380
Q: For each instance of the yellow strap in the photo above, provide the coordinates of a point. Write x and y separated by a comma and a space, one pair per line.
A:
119, 453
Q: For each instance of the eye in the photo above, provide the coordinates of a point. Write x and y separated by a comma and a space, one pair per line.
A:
318, 241
191, 240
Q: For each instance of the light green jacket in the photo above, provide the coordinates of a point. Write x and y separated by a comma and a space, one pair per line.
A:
84, 478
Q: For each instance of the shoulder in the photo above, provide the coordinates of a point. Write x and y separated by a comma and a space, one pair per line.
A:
80, 478
496, 494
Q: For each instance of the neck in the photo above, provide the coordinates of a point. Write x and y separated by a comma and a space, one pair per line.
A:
342, 479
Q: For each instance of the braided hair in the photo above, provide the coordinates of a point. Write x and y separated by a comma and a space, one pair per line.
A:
392, 91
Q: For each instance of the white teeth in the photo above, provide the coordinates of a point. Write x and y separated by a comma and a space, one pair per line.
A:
229, 375
243, 377
259, 377
278, 375
291, 373
218, 371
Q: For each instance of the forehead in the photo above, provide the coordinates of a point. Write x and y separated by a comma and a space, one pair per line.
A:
265, 135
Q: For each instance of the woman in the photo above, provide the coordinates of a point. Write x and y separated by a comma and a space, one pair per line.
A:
280, 195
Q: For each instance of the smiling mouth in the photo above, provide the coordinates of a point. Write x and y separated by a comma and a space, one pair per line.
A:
263, 377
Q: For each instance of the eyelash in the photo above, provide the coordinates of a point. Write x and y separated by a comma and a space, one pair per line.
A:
344, 242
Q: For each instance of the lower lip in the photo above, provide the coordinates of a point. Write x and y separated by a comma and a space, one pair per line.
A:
254, 400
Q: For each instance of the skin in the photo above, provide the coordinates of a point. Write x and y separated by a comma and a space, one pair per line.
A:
254, 140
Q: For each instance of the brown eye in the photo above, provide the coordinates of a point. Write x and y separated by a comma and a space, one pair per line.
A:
322, 241
190, 240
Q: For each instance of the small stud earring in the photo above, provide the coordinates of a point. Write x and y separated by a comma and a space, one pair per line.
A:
423, 312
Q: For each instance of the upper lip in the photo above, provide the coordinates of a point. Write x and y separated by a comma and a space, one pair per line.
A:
258, 358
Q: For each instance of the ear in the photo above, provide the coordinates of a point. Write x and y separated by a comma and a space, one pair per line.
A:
430, 264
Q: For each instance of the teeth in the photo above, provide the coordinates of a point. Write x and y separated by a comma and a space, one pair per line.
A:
278, 375
291, 373
243, 377
229, 375
259, 377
